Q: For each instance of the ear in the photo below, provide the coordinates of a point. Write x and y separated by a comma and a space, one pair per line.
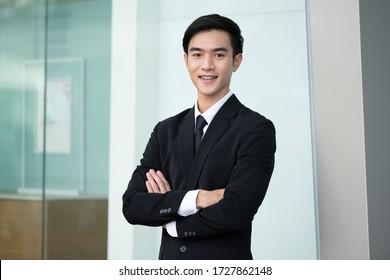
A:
186, 60
237, 61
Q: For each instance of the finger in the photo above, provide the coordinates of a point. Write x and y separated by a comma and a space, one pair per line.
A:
162, 177
147, 184
163, 188
152, 183
155, 182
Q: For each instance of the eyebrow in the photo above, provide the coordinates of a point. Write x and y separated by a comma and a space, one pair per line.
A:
194, 49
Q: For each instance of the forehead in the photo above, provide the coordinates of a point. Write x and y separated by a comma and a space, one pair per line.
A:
211, 39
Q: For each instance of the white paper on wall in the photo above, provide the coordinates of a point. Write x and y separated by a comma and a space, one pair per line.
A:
58, 117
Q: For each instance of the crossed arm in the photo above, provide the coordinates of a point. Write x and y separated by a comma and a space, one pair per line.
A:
157, 183
150, 201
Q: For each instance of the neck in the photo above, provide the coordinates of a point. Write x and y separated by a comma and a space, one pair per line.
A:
205, 102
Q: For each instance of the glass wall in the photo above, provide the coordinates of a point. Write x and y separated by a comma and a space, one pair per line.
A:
54, 122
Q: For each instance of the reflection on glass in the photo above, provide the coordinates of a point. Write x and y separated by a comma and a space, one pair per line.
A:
54, 117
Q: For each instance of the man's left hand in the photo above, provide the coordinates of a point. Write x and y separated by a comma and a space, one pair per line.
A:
156, 182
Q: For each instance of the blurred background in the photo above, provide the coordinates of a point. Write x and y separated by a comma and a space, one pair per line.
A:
54, 122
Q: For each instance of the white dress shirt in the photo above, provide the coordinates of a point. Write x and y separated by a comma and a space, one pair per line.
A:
188, 204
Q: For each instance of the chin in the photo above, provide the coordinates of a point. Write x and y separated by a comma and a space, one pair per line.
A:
208, 94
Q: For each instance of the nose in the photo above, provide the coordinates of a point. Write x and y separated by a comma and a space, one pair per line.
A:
208, 62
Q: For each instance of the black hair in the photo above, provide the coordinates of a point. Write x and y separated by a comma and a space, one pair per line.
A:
211, 22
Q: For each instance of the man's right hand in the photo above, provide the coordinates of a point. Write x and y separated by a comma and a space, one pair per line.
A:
208, 198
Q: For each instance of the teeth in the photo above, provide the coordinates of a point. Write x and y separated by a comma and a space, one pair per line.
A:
208, 77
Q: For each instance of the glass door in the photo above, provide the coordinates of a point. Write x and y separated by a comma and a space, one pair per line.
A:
54, 118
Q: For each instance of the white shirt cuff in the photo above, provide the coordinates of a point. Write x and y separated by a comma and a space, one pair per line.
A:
187, 207
188, 204
171, 228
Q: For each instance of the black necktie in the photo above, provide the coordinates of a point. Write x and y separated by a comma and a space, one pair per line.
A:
200, 124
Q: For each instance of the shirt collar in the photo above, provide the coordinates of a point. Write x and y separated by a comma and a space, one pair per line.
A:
210, 113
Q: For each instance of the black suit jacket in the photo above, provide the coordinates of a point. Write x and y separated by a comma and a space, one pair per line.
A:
236, 153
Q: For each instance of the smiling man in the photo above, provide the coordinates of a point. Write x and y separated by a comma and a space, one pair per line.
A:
205, 171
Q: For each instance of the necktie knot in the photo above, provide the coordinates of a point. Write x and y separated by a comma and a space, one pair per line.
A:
200, 124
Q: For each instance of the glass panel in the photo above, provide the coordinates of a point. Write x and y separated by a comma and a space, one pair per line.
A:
59, 120
22, 39
77, 119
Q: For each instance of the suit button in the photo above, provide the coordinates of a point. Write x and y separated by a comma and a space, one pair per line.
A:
169, 210
183, 249
185, 234
161, 211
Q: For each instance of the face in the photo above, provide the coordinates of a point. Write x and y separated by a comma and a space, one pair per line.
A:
211, 64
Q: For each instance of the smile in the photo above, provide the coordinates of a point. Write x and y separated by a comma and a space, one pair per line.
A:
208, 77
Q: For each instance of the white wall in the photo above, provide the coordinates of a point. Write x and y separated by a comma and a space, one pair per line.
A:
339, 128
122, 124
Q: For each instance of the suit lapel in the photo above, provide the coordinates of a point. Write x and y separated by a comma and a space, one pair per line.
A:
186, 142
219, 125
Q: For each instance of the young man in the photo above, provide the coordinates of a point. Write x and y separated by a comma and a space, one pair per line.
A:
205, 171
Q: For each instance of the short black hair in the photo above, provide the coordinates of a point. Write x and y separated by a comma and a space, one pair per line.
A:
211, 22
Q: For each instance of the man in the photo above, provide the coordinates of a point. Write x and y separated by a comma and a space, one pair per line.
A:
203, 178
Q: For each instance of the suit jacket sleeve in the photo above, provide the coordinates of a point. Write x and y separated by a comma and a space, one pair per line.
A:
150, 209
245, 190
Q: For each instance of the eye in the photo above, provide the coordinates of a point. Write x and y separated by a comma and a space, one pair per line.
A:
220, 55
196, 55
